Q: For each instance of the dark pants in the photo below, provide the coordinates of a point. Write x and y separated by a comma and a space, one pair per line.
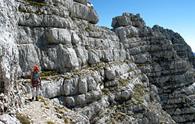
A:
35, 88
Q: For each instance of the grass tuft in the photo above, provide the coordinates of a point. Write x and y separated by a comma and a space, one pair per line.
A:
34, 3
50, 122
123, 82
22, 118
42, 99
67, 121
138, 95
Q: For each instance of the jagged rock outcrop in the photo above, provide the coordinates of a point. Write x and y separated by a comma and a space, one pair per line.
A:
83, 11
128, 19
130, 74
166, 59
99, 72
180, 46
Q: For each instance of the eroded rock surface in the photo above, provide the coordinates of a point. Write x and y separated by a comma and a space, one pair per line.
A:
166, 59
8, 53
131, 74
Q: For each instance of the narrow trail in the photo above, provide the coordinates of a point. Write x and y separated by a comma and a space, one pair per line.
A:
43, 112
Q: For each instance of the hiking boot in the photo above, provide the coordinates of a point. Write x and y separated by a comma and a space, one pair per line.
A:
32, 99
37, 98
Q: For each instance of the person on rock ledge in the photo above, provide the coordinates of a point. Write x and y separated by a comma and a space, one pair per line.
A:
36, 82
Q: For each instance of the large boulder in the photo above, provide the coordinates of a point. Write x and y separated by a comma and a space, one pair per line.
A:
83, 86
82, 54
59, 58
28, 57
67, 58
52, 89
93, 57
128, 19
57, 36
84, 12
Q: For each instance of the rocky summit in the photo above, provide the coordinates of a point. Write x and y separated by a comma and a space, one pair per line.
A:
131, 74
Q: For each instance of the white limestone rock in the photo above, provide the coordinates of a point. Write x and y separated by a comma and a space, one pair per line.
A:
84, 12
58, 36
9, 58
28, 57
83, 86
5, 118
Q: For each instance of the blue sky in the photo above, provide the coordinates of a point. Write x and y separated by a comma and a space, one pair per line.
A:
178, 15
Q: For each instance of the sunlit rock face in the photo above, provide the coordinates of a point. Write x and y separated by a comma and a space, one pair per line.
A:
8, 52
129, 74
165, 58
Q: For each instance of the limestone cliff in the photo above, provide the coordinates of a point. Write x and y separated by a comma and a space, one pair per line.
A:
167, 61
8, 52
131, 74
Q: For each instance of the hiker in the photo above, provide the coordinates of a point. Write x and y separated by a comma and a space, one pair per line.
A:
36, 82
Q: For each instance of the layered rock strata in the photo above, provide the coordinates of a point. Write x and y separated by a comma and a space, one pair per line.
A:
97, 71
165, 58
125, 75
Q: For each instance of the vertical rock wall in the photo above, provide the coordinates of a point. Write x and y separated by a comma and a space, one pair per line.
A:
98, 72
8, 48
132, 73
48, 34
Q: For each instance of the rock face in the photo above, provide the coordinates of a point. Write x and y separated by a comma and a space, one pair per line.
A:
8, 52
128, 19
130, 74
167, 60
80, 10
48, 37
8, 119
